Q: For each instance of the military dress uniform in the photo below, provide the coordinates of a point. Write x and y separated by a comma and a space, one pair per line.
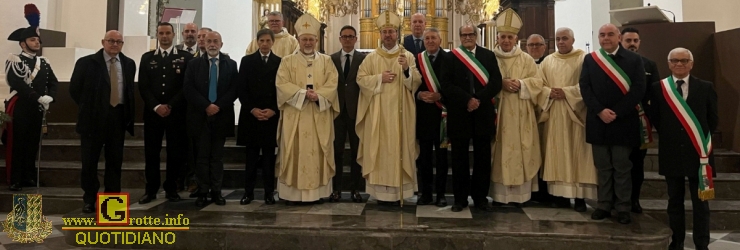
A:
161, 77
30, 78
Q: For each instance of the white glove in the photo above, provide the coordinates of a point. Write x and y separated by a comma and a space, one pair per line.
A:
46, 106
46, 99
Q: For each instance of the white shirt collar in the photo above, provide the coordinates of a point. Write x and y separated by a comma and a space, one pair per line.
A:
473, 50
420, 38
169, 51
351, 53
108, 57
685, 79
210, 57
267, 55
29, 55
615, 51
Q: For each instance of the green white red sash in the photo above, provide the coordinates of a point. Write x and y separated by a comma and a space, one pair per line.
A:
432, 83
702, 143
472, 63
623, 82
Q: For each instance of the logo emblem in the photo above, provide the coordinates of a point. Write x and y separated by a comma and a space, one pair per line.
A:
25, 223
113, 209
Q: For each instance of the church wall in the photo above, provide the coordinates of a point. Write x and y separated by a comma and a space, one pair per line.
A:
571, 14
12, 13
722, 12
675, 6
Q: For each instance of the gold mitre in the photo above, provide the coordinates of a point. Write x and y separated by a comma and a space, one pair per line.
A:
307, 24
388, 19
508, 21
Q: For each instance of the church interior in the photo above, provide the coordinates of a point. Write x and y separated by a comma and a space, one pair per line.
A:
72, 29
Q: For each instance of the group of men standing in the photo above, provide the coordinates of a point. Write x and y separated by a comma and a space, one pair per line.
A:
570, 125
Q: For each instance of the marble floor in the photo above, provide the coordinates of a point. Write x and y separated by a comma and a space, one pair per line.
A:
507, 220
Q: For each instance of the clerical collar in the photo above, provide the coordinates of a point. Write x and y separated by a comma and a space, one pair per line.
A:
389, 51
538, 61
350, 53
267, 55
160, 50
29, 55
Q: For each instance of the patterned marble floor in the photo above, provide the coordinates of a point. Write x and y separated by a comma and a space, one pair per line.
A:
374, 216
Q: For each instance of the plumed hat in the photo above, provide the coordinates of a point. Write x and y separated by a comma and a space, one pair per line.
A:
33, 16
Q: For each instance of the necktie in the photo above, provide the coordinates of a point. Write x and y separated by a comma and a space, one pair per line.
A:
612, 56
114, 99
213, 82
164, 54
190, 50
346, 65
680, 90
264, 59
418, 45
431, 59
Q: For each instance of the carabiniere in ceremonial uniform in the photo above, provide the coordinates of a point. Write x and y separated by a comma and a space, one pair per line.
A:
33, 86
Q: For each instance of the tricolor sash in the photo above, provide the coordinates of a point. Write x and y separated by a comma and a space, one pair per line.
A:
472, 63
623, 82
702, 143
432, 83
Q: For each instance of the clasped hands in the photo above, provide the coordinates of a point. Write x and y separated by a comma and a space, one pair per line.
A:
557, 93
607, 116
311, 95
429, 97
473, 104
45, 100
163, 110
511, 85
262, 114
212, 109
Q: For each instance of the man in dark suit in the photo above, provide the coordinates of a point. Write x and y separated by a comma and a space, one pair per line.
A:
161, 75
189, 35
678, 157
102, 85
33, 86
612, 122
471, 115
259, 116
347, 61
631, 41
210, 90
414, 43
429, 106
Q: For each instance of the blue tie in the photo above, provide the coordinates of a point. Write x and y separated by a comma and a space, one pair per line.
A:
213, 82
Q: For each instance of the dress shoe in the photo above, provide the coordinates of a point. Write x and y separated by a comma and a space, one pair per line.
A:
560, 202
202, 201
16, 187
356, 197
172, 196
147, 198
246, 200
335, 196
270, 200
636, 208
600, 214
676, 246
441, 201
624, 218
88, 208
389, 203
290, 203
484, 206
580, 205
425, 200
218, 199
458, 207
497, 204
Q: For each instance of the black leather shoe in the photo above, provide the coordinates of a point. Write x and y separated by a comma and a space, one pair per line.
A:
624, 218
425, 200
218, 199
335, 196
676, 246
580, 205
497, 204
441, 201
147, 198
457, 208
600, 214
484, 206
88, 208
172, 196
16, 187
560, 202
202, 201
356, 197
246, 200
636, 208
270, 200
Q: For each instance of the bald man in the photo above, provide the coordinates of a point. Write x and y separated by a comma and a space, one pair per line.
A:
613, 125
102, 85
190, 39
414, 43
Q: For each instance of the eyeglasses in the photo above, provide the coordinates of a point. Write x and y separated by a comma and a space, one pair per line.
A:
347, 37
468, 35
387, 32
274, 21
534, 45
682, 61
113, 42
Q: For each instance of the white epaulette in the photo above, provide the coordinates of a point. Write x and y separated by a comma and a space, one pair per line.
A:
14, 58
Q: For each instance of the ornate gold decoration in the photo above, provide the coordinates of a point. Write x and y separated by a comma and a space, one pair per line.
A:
25, 223
478, 11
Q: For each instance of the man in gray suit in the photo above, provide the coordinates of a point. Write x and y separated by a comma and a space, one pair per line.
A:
347, 61
189, 36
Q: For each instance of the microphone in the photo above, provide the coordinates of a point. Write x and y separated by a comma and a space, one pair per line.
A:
674, 14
